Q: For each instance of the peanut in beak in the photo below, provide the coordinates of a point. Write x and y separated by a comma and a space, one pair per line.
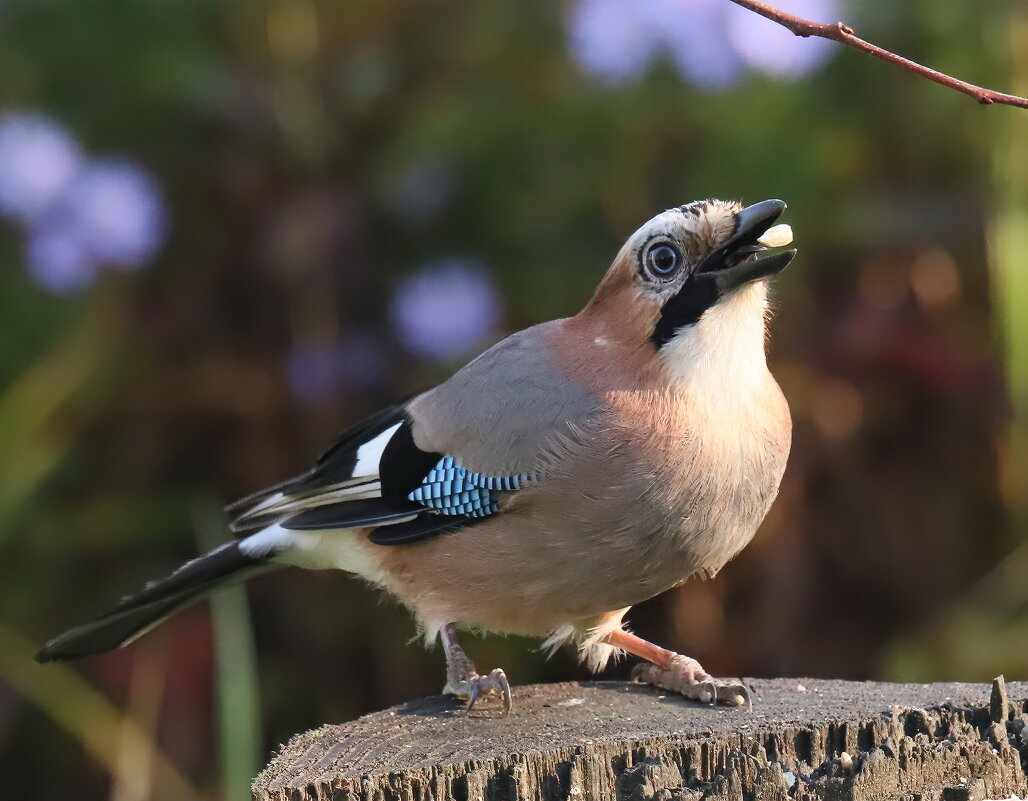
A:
776, 236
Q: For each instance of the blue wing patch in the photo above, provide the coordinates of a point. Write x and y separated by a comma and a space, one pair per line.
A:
451, 490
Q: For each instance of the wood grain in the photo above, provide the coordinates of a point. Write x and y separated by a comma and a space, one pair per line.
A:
804, 739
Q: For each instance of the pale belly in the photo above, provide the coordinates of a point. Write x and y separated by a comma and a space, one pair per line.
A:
610, 527
536, 567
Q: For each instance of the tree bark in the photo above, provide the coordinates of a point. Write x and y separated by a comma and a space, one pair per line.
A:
804, 739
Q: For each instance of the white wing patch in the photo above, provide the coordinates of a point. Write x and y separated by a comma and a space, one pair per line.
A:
370, 453
266, 541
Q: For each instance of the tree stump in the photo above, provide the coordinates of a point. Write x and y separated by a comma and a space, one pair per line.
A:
803, 739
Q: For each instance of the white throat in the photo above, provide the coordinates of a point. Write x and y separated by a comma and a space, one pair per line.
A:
720, 358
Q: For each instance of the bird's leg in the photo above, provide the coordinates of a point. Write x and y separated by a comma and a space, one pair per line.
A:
463, 680
678, 673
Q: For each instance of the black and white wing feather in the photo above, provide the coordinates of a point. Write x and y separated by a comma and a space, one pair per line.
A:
345, 473
375, 476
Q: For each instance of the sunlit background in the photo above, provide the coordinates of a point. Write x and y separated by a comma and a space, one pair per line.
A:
229, 229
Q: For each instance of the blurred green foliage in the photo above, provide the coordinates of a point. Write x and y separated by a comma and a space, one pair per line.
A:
286, 136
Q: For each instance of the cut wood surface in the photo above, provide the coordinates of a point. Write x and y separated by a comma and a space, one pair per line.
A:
803, 739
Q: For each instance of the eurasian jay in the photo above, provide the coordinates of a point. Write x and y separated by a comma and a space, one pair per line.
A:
574, 469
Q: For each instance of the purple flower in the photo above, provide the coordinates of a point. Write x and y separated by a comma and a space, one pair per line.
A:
696, 37
612, 39
37, 160
768, 47
58, 261
318, 369
445, 310
115, 209
78, 215
710, 42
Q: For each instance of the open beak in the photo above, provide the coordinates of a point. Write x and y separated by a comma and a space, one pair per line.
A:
743, 257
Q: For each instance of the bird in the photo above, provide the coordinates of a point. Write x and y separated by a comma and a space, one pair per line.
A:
571, 471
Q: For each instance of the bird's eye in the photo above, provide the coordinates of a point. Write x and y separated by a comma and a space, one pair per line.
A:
662, 260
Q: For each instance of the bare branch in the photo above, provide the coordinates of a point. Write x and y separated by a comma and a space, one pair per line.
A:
842, 33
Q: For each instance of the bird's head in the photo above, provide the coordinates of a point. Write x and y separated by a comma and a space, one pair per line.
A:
693, 277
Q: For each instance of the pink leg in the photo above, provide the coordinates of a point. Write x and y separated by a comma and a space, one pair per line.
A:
681, 674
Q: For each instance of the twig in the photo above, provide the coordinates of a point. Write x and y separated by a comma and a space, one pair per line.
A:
842, 33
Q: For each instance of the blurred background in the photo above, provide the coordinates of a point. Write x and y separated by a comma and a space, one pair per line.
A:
229, 229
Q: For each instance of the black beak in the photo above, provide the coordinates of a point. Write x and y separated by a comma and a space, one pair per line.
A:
730, 266
753, 221
736, 262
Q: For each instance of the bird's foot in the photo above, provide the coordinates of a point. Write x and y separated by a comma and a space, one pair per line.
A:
473, 687
464, 681
687, 677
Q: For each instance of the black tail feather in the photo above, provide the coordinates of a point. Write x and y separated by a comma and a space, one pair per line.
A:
137, 614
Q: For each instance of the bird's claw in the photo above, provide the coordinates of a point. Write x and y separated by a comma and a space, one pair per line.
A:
686, 677
476, 686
